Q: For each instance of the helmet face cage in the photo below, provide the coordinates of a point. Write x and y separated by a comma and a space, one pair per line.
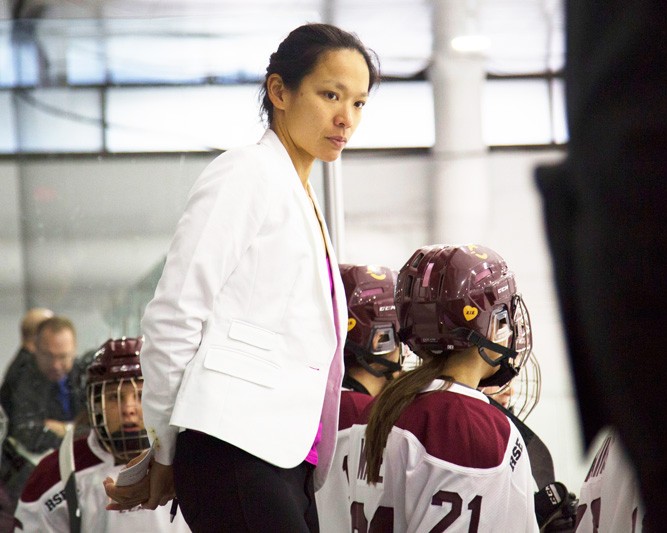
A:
527, 388
522, 336
114, 398
114, 408
524, 390
454, 297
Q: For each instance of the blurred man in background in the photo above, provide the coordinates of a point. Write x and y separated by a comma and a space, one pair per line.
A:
50, 391
46, 398
29, 323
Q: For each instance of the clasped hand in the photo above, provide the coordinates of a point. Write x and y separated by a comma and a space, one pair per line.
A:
156, 488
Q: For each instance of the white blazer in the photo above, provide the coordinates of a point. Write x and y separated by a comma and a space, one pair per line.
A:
242, 338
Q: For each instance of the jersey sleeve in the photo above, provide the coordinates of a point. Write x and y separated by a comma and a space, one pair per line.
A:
48, 512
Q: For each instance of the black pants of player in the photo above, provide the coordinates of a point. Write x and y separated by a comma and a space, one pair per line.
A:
223, 488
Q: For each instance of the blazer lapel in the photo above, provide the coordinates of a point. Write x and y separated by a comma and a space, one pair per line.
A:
317, 230
338, 296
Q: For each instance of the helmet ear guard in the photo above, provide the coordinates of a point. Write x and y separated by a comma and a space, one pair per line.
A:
382, 339
517, 332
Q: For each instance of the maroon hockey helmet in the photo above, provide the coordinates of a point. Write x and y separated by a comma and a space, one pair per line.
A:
114, 398
372, 326
453, 297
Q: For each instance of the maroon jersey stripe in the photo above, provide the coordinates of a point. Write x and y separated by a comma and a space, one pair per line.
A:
458, 429
47, 473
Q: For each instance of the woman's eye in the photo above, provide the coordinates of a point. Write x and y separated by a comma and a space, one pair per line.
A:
359, 104
331, 95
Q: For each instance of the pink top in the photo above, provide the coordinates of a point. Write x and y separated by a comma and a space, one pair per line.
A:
330, 276
312, 454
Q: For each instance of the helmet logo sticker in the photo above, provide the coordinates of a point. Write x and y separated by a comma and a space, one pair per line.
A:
473, 247
469, 313
351, 322
378, 274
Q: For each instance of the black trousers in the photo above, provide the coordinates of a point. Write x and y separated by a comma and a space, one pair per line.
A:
223, 488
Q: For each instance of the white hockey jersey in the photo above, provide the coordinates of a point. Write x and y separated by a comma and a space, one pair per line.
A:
333, 499
43, 507
452, 463
609, 499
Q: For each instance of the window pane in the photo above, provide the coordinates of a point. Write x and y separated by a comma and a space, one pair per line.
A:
186, 59
398, 115
7, 78
59, 120
86, 61
561, 134
18, 53
516, 112
182, 118
7, 124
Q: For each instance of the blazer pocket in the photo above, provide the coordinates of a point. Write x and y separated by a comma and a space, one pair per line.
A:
242, 365
249, 334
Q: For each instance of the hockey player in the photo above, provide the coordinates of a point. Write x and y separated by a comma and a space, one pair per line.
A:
65, 492
609, 499
372, 357
372, 349
435, 455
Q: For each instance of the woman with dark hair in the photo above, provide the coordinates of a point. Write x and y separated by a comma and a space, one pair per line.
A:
242, 358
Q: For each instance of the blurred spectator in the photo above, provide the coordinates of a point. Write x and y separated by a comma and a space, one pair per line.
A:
6, 504
48, 396
29, 323
50, 391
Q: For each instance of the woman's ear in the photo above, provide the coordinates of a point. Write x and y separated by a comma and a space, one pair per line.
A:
276, 90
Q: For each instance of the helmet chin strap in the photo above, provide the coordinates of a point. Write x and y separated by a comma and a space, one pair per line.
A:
482, 342
388, 374
363, 357
505, 372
